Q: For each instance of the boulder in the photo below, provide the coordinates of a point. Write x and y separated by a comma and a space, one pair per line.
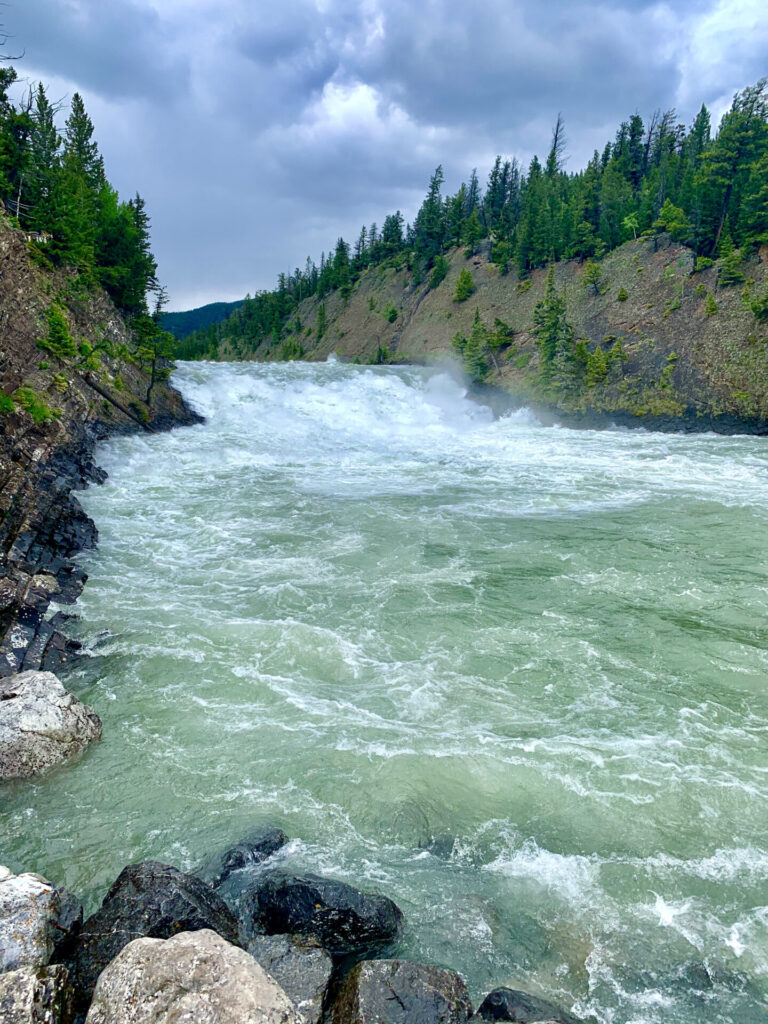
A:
400, 992
191, 978
301, 969
147, 899
254, 849
29, 912
511, 1005
344, 921
41, 724
36, 995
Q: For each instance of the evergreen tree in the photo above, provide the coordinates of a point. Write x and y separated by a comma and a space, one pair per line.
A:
464, 286
554, 335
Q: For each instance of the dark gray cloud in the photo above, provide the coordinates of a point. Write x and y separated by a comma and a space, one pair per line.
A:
260, 131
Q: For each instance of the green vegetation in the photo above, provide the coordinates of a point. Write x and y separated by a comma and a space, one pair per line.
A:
710, 306
699, 186
58, 341
55, 187
182, 324
439, 270
464, 286
35, 405
623, 295
593, 274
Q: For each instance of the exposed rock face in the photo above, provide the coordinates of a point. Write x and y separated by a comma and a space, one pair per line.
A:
29, 912
400, 992
192, 978
147, 899
346, 922
301, 969
511, 1005
41, 724
254, 849
36, 995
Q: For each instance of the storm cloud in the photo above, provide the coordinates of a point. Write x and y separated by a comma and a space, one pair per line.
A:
259, 132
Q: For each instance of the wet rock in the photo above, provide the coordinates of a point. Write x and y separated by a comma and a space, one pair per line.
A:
301, 968
70, 919
441, 846
41, 724
36, 995
147, 899
29, 911
344, 921
191, 978
254, 849
400, 992
511, 1005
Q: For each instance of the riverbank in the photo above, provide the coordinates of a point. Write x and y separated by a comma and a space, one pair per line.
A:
55, 411
658, 340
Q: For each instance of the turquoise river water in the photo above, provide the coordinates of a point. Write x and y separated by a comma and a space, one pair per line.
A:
512, 676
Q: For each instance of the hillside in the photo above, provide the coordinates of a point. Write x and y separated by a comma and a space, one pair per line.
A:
184, 323
667, 359
91, 379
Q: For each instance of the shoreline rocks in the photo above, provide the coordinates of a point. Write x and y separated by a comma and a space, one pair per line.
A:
254, 849
150, 900
303, 970
194, 976
346, 922
36, 995
400, 992
41, 724
164, 948
29, 912
509, 1004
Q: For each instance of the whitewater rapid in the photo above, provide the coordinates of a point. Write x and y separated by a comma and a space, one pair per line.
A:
513, 676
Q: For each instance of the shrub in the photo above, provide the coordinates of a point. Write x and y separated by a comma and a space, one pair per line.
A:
622, 296
390, 313
58, 341
710, 306
33, 404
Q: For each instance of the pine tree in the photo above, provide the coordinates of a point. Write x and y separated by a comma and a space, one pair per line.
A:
593, 274
730, 272
465, 286
554, 335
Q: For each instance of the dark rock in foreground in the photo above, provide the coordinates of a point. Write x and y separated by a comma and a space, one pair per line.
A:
344, 921
511, 1005
301, 969
400, 992
36, 995
147, 899
254, 849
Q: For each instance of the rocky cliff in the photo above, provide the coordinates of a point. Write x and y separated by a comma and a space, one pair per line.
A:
52, 410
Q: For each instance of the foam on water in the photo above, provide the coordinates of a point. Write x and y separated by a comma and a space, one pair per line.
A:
354, 604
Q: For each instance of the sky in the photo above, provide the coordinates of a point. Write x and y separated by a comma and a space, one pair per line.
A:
258, 132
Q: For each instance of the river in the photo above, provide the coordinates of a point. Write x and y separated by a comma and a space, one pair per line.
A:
512, 676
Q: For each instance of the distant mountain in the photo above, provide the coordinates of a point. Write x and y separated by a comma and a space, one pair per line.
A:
182, 324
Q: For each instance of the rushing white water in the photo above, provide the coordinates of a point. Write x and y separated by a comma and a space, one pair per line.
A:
354, 605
